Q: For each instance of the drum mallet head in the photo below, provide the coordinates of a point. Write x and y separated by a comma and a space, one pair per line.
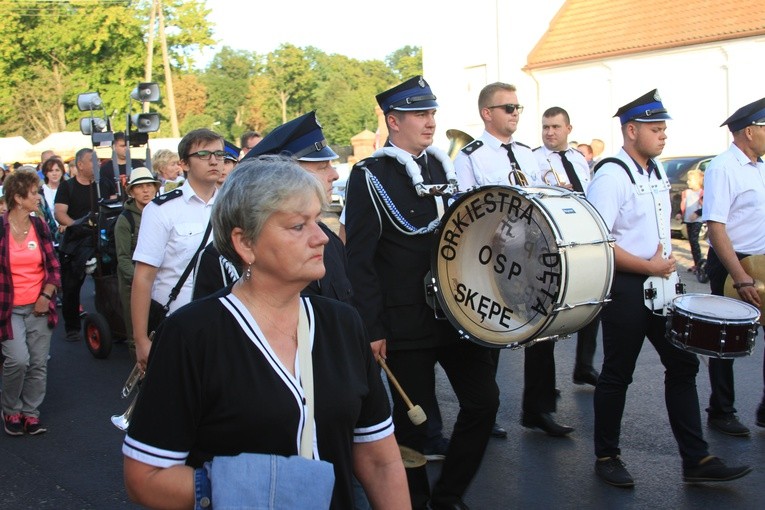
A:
415, 412
416, 415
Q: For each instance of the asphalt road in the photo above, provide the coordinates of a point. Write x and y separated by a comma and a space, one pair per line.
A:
77, 464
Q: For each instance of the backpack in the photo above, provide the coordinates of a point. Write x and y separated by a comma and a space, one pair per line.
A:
107, 242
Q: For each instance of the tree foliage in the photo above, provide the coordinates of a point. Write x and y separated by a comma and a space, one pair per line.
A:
53, 51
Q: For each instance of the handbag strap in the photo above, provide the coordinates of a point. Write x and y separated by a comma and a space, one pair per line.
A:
186, 272
306, 377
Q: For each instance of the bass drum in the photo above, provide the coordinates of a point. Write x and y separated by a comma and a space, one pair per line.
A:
515, 265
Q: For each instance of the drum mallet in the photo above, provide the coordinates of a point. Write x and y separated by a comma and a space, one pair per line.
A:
415, 413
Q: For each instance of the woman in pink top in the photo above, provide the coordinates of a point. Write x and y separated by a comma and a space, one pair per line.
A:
29, 276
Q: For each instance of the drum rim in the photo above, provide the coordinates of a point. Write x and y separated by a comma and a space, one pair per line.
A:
714, 320
528, 194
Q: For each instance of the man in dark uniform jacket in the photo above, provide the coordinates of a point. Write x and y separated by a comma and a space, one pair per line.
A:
390, 215
303, 139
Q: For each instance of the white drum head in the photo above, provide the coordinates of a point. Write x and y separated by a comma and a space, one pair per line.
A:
498, 269
716, 308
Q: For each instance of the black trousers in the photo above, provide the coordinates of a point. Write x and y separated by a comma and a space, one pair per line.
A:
539, 378
469, 368
586, 343
71, 283
626, 323
721, 379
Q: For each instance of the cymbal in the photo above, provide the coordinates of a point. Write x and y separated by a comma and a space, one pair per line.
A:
412, 458
754, 265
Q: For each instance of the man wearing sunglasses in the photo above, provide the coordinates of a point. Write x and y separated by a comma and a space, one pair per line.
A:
492, 159
173, 226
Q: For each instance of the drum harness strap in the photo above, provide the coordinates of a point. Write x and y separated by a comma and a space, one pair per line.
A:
437, 191
654, 284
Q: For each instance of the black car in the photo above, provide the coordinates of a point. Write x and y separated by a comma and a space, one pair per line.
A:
677, 172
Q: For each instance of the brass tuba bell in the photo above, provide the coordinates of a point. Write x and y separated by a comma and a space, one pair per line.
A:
457, 140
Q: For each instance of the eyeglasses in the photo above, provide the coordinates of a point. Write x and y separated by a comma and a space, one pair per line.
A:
509, 108
205, 155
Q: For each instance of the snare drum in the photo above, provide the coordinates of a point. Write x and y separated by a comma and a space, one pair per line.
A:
514, 265
712, 325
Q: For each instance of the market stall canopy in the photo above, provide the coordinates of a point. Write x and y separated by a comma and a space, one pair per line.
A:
13, 149
65, 144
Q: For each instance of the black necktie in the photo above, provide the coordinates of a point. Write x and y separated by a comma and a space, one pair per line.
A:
509, 148
570, 172
514, 166
422, 162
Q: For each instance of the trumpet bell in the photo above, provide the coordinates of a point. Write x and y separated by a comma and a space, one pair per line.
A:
122, 421
457, 140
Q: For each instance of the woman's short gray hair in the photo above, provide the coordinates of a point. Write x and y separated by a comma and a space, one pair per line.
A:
257, 188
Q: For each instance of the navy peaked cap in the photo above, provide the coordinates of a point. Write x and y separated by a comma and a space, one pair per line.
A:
646, 108
301, 138
751, 114
413, 94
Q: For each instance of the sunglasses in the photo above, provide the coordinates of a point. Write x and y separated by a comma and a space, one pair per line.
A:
509, 108
205, 155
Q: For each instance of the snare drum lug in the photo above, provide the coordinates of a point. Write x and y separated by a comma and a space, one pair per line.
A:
723, 334
679, 288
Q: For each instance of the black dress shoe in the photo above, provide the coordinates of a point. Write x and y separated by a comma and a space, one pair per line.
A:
728, 424
545, 422
714, 470
455, 505
498, 432
586, 376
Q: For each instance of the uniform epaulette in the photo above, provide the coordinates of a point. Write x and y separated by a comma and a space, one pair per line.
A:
536, 149
472, 147
577, 150
523, 145
166, 197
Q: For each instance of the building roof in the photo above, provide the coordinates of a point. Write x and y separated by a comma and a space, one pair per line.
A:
586, 30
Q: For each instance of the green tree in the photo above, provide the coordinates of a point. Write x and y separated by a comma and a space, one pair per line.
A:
52, 51
406, 62
228, 82
292, 80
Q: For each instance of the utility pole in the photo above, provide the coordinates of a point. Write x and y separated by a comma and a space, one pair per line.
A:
168, 75
150, 49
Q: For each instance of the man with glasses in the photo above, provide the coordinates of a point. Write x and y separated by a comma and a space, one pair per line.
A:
493, 158
734, 209
172, 228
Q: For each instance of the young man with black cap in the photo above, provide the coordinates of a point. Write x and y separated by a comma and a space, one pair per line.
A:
631, 192
394, 202
734, 209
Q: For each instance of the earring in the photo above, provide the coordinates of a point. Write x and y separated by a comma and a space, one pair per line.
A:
248, 273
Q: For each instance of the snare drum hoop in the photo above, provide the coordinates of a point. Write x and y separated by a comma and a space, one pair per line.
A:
752, 317
680, 340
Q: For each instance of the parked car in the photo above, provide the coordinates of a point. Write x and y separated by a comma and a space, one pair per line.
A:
677, 172
338, 188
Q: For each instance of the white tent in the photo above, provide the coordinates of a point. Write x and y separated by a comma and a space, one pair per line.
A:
14, 148
65, 144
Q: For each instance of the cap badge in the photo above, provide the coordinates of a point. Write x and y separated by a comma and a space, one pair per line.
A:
421, 82
656, 96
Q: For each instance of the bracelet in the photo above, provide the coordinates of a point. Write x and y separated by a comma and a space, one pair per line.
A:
739, 286
50, 298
